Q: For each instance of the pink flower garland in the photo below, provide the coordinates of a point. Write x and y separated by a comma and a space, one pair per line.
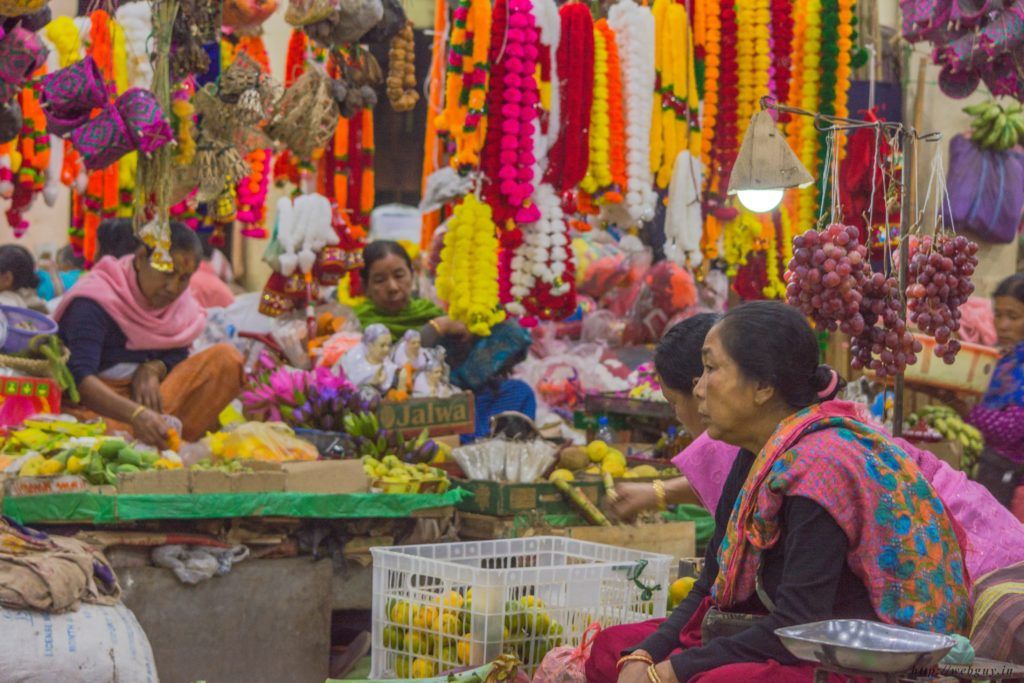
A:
516, 174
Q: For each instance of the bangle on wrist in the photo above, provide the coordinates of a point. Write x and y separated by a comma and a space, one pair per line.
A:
437, 327
652, 674
634, 657
659, 495
135, 413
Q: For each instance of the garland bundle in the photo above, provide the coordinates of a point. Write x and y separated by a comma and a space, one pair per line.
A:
569, 157
606, 171
634, 30
467, 275
543, 278
675, 125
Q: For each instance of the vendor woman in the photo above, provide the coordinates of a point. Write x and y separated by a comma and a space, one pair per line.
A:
798, 534
129, 327
480, 364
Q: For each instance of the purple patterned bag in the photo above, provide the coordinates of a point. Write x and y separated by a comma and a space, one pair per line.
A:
144, 119
102, 140
70, 94
21, 53
986, 190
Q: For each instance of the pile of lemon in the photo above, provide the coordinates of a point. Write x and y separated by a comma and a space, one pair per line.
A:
599, 458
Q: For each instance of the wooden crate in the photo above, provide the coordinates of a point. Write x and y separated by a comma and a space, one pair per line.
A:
676, 539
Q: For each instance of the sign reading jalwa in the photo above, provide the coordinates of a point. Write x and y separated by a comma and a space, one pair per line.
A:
441, 416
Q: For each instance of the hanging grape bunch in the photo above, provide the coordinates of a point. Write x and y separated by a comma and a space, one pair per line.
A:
826, 276
939, 282
886, 348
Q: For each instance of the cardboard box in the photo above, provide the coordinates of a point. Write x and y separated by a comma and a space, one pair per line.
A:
325, 476
950, 452
439, 416
36, 486
501, 499
215, 481
164, 482
44, 393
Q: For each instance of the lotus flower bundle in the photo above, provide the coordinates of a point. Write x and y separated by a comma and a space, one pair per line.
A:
316, 399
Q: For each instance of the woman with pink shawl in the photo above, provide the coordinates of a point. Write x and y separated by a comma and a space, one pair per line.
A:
993, 539
129, 327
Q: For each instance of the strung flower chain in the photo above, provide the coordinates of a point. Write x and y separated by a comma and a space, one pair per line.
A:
746, 37
634, 29
844, 64
775, 288
675, 125
464, 114
762, 47
519, 126
607, 176
491, 159
808, 136
781, 51
568, 159
467, 277
712, 64
727, 128
827, 88
543, 279
401, 82
741, 236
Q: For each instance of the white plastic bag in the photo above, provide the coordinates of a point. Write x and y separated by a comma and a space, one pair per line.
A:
99, 644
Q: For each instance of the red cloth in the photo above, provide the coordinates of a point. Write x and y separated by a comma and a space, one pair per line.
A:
609, 644
208, 289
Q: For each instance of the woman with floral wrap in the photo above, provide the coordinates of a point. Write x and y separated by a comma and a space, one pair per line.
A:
821, 517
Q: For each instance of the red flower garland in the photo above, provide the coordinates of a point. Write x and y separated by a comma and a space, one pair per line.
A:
782, 49
568, 158
491, 157
727, 128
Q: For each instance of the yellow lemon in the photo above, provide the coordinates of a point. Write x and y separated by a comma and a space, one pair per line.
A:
563, 474
462, 650
680, 588
593, 470
454, 600
645, 471
423, 617
596, 451
402, 667
446, 623
423, 668
419, 643
400, 613
531, 601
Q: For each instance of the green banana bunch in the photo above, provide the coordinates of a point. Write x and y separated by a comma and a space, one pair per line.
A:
994, 127
952, 427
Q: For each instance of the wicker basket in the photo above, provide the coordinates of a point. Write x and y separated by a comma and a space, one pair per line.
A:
32, 367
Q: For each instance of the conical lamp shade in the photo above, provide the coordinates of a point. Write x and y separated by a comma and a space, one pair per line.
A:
765, 161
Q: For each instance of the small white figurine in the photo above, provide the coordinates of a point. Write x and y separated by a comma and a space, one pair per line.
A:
431, 381
367, 363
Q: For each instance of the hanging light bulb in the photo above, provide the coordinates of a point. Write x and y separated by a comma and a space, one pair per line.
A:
765, 166
760, 201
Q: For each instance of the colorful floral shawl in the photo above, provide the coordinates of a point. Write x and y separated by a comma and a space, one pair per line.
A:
901, 541
1007, 385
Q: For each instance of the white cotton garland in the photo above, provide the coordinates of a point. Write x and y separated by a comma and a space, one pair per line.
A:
136, 19
683, 220
544, 253
303, 229
634, 31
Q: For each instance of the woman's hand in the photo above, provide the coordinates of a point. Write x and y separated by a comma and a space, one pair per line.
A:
146, 385
633, 672
633, 498
150, 428
666, 673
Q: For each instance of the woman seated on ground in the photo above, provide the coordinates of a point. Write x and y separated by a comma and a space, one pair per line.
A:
482, 365
129, 327
821, 517
18, 279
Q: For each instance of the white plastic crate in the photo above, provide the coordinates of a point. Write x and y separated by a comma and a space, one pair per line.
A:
450, 605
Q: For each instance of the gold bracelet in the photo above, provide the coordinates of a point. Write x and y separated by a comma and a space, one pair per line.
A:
659, 494
634, 657
135, 413
437, 327
652, 674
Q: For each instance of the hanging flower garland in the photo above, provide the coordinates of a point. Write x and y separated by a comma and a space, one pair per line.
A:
712, 64
492, 157
844, 64
774, 288
543, 277
568, 159
827, 87
781, 50
464, 116
727, 128
634, 31
29, 157
746, 37
467, 275
741, 237
676, 114
606, 175
809, 93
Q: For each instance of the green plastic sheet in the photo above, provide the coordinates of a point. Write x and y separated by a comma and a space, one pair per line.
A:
703, 521
105, 509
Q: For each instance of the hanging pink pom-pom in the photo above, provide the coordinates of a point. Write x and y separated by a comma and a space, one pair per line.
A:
528, 214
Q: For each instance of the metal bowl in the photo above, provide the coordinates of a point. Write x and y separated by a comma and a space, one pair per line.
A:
865, 646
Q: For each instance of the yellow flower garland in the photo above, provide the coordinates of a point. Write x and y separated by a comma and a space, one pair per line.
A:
671, 132
809, 94
741, 236
762, 46
63, 34
843, 70
467, 276
599, 172
746, 36
775, 287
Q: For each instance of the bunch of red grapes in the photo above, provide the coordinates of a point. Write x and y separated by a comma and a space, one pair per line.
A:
889, 348
938, 283
826, 276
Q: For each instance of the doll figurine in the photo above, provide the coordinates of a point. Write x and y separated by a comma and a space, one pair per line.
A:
430, 381
367, 363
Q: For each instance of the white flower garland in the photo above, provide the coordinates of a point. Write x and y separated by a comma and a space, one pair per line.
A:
683, 220
544, 253
549, 25
634, 30
136, 19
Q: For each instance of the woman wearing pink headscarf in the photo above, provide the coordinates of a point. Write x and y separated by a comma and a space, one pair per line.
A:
129, 327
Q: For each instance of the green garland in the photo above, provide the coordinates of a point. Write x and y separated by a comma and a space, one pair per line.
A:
827, 88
